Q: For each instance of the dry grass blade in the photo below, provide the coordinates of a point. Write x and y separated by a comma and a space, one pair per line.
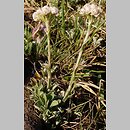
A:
89, 84
86, 86
103, 103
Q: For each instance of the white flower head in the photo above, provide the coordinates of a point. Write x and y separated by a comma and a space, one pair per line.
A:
82, 11
86, 9
35, 18
54, 10
92, 9
37, 14
45, 10
95, 10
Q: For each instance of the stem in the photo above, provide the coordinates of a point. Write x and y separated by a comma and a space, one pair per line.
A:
70, 88
49, 54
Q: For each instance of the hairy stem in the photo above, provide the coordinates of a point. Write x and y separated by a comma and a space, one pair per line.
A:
49, 54
70, 88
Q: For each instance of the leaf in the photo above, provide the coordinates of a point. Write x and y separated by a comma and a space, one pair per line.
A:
55, 103
44, 97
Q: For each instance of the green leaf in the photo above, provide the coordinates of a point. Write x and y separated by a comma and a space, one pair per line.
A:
44, 97
55, 103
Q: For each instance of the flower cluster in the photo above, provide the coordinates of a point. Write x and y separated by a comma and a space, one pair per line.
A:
44, 11
90, 9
